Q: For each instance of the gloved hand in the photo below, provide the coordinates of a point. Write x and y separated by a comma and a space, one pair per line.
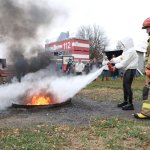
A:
147, 71
111, 67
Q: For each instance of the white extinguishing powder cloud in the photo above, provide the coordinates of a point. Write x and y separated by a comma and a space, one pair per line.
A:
62, 88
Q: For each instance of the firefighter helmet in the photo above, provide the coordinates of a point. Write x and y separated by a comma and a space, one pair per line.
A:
146, 23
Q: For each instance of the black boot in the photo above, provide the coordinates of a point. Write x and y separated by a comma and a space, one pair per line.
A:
145, 93
128, 107
122, 104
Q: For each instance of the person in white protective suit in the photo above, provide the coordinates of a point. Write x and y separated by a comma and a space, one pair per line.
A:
79, 67
129, 62
106, 69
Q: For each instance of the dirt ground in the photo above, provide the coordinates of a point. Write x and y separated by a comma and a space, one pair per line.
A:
79, 112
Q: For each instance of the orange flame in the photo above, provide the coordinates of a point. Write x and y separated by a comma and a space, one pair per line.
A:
40, 100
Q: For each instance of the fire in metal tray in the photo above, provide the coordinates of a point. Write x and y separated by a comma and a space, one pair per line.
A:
41, 101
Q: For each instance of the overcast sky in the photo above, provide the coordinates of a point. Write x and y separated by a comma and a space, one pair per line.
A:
118, 18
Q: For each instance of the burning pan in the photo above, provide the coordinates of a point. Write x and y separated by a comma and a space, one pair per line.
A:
54, 105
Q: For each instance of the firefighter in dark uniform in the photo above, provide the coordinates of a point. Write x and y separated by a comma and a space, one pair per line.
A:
145, 112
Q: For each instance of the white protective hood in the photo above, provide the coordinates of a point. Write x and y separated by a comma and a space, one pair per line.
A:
127, 43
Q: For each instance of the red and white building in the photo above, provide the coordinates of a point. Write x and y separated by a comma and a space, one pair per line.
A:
76, 48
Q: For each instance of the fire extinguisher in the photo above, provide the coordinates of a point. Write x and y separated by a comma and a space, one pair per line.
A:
110, 66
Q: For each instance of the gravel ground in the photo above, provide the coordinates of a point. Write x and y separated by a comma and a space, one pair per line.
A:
79, 112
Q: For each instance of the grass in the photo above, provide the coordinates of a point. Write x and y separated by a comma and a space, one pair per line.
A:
100, 134
112, 90
108, 133
121, 134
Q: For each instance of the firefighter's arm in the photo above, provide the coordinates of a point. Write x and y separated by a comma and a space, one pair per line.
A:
148, 57
148, 63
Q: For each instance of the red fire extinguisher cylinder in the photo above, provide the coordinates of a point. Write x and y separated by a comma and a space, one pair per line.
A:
110, 66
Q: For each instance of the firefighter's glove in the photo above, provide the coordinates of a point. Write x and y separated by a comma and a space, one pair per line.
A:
147, 71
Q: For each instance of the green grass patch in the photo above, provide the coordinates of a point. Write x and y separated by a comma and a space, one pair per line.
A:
37, 137
112, 90
107, 133
122, 134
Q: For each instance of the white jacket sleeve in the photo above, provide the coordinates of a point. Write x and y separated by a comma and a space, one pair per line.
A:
116, 59
125, 61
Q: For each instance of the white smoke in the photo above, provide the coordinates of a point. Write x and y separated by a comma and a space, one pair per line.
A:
62, 87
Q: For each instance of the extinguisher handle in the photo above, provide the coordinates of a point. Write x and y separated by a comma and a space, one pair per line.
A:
111, 67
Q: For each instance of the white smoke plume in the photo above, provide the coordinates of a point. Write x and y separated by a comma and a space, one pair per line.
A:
62, 87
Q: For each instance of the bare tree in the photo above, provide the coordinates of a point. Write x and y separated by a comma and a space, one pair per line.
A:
97, 38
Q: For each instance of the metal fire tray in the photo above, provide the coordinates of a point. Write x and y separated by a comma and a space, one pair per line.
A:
42, 106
